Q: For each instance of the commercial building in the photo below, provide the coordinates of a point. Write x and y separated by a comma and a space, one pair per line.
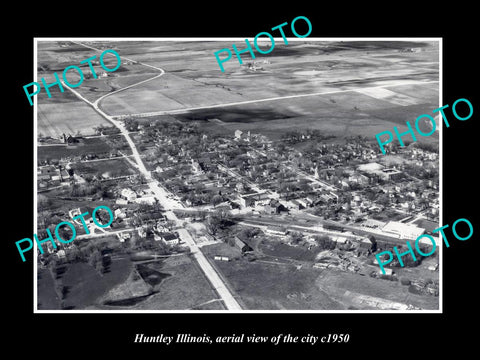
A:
403, 231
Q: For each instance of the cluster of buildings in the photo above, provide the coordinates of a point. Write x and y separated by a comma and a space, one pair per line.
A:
51, 176
139, 196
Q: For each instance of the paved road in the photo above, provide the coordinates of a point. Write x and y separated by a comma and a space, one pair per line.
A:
97, 102
181, 111
104, 233
169, 203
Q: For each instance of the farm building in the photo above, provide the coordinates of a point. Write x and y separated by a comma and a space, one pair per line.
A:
241, 245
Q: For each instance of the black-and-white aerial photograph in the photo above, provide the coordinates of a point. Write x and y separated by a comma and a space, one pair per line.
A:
189, 182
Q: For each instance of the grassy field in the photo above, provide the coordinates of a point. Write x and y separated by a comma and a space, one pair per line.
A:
193, 79
222, 249
56, 118
92, 89
92, 146
47, 297
105, 166
281, 250
351, 113
346, 287
166, 93
185, 288
427, 224
86, 285
270, 284
301, 67
133, 289
266, 286
63, 112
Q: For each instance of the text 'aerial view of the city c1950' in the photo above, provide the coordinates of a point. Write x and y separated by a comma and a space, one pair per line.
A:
260, 188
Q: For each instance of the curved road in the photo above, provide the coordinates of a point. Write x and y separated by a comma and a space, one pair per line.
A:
161, 194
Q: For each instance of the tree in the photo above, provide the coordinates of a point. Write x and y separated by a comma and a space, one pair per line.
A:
249, 233
283, 187
212, 225
373, 240
295, 237
94, 258
383, 200
324, 242
303, 185
424, 203
410, 208
219, 219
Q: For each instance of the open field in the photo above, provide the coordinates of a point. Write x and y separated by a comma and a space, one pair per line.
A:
55, 56
184, 289
428, 225
47, 297
94, 146
350, 113
281, 250
193, 79
120, 167
63, 112
56, 118
174, 283
166, 93
266, 286
84, 284
297, 68
270, 284
351, 289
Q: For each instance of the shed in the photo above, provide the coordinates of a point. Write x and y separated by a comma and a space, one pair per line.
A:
241, 245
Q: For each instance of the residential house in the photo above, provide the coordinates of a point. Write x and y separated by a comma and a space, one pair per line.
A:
304, 203
121, 202
120, 213
128, 194
142, 232
297, 204
123, 236
196, 166
81, 210
274, 207
238, 134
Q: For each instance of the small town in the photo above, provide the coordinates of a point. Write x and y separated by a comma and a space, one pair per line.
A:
231, 196
343, 202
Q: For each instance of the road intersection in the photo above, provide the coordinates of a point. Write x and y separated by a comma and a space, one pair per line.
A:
168, 202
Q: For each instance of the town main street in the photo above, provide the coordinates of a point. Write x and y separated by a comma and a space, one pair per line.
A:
166, 199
